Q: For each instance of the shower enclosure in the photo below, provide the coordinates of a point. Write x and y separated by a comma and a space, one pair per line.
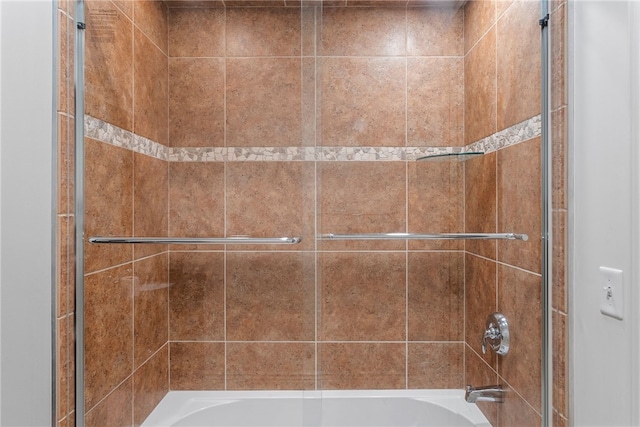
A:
281, 195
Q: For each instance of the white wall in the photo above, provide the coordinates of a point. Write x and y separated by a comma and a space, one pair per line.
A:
26, 181
604, 231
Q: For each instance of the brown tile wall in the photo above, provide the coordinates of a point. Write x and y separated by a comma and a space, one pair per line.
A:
502, 62
345, 314
126, 194
559, 205
65, 217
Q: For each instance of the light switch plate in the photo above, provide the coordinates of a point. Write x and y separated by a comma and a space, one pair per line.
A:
611, 293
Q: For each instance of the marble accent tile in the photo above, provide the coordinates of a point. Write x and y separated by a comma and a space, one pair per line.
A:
481, 203
268, 199
436, 202
105, 132
435, 365
362, 101
109, 64
196, 102
520, 132
196, 199
207, 4
362, 296
357, 366
270, 296
270, 366
479, 16
150, 385
151, 90
352, 198
115, 410
151, 17
363, 32
520, 300
108, 308
519, 204
196, 32
197, 366
263, 102
150, 202
480, 89
435, 101
263, 32
480, 302
436, 291
435, 31
108, 203
151, 301
518, 64
196, 296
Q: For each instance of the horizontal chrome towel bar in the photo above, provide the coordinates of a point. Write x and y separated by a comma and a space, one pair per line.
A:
413, 236
200, 240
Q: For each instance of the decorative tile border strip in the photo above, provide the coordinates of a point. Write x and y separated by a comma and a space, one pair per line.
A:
517, 133
105, 132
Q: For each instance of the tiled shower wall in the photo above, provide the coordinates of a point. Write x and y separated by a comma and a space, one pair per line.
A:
320, 314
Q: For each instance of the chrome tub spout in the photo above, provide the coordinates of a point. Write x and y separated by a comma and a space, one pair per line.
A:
490, 393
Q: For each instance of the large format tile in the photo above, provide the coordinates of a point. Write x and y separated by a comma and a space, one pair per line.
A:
109, 64
363, 32
270, 296
479, 16
196, 32
480, 203
481, 301
519, 76
520, 204
151, 300
271, 199
356, 366
263, 32
270, 366
151, 17
435, 365
196, 102
264, 105
196, 296
361, 197
436, 31
362, 296
108, 203
435, 102
436, 291
115, 410
196, 199
108, 308
151, 90
480, 89
150, 202
436, 202
197, 366
520, 300
362, 101
150, 385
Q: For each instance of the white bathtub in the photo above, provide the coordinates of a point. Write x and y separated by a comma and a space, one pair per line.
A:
390, 408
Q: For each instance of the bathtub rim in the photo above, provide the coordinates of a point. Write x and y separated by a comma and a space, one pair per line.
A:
178, 404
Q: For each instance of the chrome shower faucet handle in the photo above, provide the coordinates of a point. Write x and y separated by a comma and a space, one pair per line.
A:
496, 335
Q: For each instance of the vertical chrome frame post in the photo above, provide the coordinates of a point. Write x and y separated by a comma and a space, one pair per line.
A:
79, 211
546, 160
